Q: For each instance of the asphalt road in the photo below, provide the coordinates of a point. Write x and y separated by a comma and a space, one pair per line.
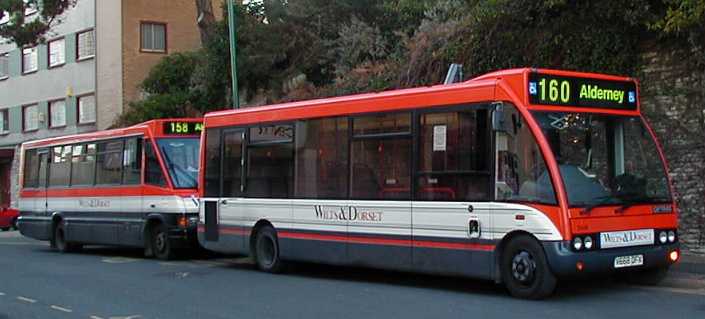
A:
36, 282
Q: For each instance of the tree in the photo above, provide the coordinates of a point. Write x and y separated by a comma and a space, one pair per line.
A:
23, 31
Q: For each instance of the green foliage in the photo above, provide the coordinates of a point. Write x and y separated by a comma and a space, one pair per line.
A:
29, 30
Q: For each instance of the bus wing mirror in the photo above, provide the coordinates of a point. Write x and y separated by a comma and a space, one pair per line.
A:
498, 117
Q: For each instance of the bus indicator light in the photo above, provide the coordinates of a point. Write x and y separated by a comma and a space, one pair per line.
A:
673, 256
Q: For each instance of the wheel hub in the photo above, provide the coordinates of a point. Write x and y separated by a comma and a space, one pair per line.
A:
160, 241
523, 267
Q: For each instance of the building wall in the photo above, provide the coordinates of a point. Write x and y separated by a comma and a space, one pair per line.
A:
673, 100
68, 81
181, 31
109, 84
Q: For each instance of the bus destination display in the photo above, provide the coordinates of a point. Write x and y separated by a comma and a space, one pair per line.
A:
183, 128
545, 89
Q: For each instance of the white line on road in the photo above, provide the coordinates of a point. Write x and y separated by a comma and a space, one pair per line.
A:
25, 299
61, 309
2, 293
96, 317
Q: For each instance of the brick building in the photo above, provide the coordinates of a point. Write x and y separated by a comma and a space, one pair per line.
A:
86, 73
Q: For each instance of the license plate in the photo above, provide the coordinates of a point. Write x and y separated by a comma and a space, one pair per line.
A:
627, 238
628, 261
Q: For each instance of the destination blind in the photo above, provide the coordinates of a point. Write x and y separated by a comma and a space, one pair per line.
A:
545, 89
183, 128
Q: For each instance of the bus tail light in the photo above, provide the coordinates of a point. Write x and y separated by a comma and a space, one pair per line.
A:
579, 266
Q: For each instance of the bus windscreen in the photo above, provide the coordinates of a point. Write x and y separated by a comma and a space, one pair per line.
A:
181, 160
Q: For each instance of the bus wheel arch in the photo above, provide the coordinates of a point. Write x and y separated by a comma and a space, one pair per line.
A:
58, 235
264, 247
522, 266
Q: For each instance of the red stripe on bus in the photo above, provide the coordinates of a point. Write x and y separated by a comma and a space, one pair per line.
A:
97, 191
388, 241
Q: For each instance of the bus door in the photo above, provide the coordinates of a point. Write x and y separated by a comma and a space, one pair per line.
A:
222, 215
40, 204
451, 210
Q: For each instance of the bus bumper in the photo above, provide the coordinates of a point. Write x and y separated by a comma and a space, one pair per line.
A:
183, 237
34, 227
564, 261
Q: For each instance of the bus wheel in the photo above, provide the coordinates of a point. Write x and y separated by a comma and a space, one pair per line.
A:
5, 228
267, 250
649, 277
525, 271
161, 247
60, 242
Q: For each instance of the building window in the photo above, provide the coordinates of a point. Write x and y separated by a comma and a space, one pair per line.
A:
57, 52
30, 118
4, 121
153, 37
85, 45
86, 109
4, 66
29, 60
57, 113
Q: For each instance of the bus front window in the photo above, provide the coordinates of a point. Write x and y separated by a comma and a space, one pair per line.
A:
181, 160
605, 160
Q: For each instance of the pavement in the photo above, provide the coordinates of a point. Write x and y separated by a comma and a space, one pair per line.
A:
115, 283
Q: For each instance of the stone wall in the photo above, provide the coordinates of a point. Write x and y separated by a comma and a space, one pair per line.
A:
673, 100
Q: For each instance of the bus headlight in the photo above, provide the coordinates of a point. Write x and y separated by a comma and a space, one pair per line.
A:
587, 242
662, 237
671, 236
577, 243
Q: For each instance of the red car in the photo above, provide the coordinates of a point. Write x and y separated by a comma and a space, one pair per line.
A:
8, 218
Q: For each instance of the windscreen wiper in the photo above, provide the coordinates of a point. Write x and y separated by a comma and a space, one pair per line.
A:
602, 201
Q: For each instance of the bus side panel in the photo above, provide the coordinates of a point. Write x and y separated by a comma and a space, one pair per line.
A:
130, 228
380, 234
318, 232
443, 243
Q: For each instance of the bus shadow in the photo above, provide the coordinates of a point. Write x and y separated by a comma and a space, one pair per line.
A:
566, 290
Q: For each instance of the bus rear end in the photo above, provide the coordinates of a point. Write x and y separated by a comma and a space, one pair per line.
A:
617, 203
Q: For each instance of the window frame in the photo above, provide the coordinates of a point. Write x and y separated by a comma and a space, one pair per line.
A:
491, 165
36, 59
5, 117
49, 43
5, 57
24, 123
80, 58
51, 118
166, 37
78, 109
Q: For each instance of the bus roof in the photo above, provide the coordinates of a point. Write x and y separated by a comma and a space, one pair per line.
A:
504, 85
153, 127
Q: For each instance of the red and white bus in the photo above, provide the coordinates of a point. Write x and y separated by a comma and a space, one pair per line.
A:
133, 186
521, 176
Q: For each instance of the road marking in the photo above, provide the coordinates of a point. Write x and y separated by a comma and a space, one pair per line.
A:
2, 293
119, 260
25, 299
96, 317
61, 309
127, 317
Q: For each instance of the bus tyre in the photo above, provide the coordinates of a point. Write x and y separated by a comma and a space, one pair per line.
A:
161, 246
525, 271
5, 228
648, 277
60, 243
266, 250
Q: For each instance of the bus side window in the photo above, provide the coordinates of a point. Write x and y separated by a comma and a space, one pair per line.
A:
132, 162
153, 171
83, 164
31, 169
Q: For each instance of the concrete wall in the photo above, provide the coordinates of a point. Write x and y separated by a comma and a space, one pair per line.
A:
673, 100
64, 82
109, 87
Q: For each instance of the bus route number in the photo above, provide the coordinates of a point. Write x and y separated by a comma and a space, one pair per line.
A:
183, 128
558, 90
